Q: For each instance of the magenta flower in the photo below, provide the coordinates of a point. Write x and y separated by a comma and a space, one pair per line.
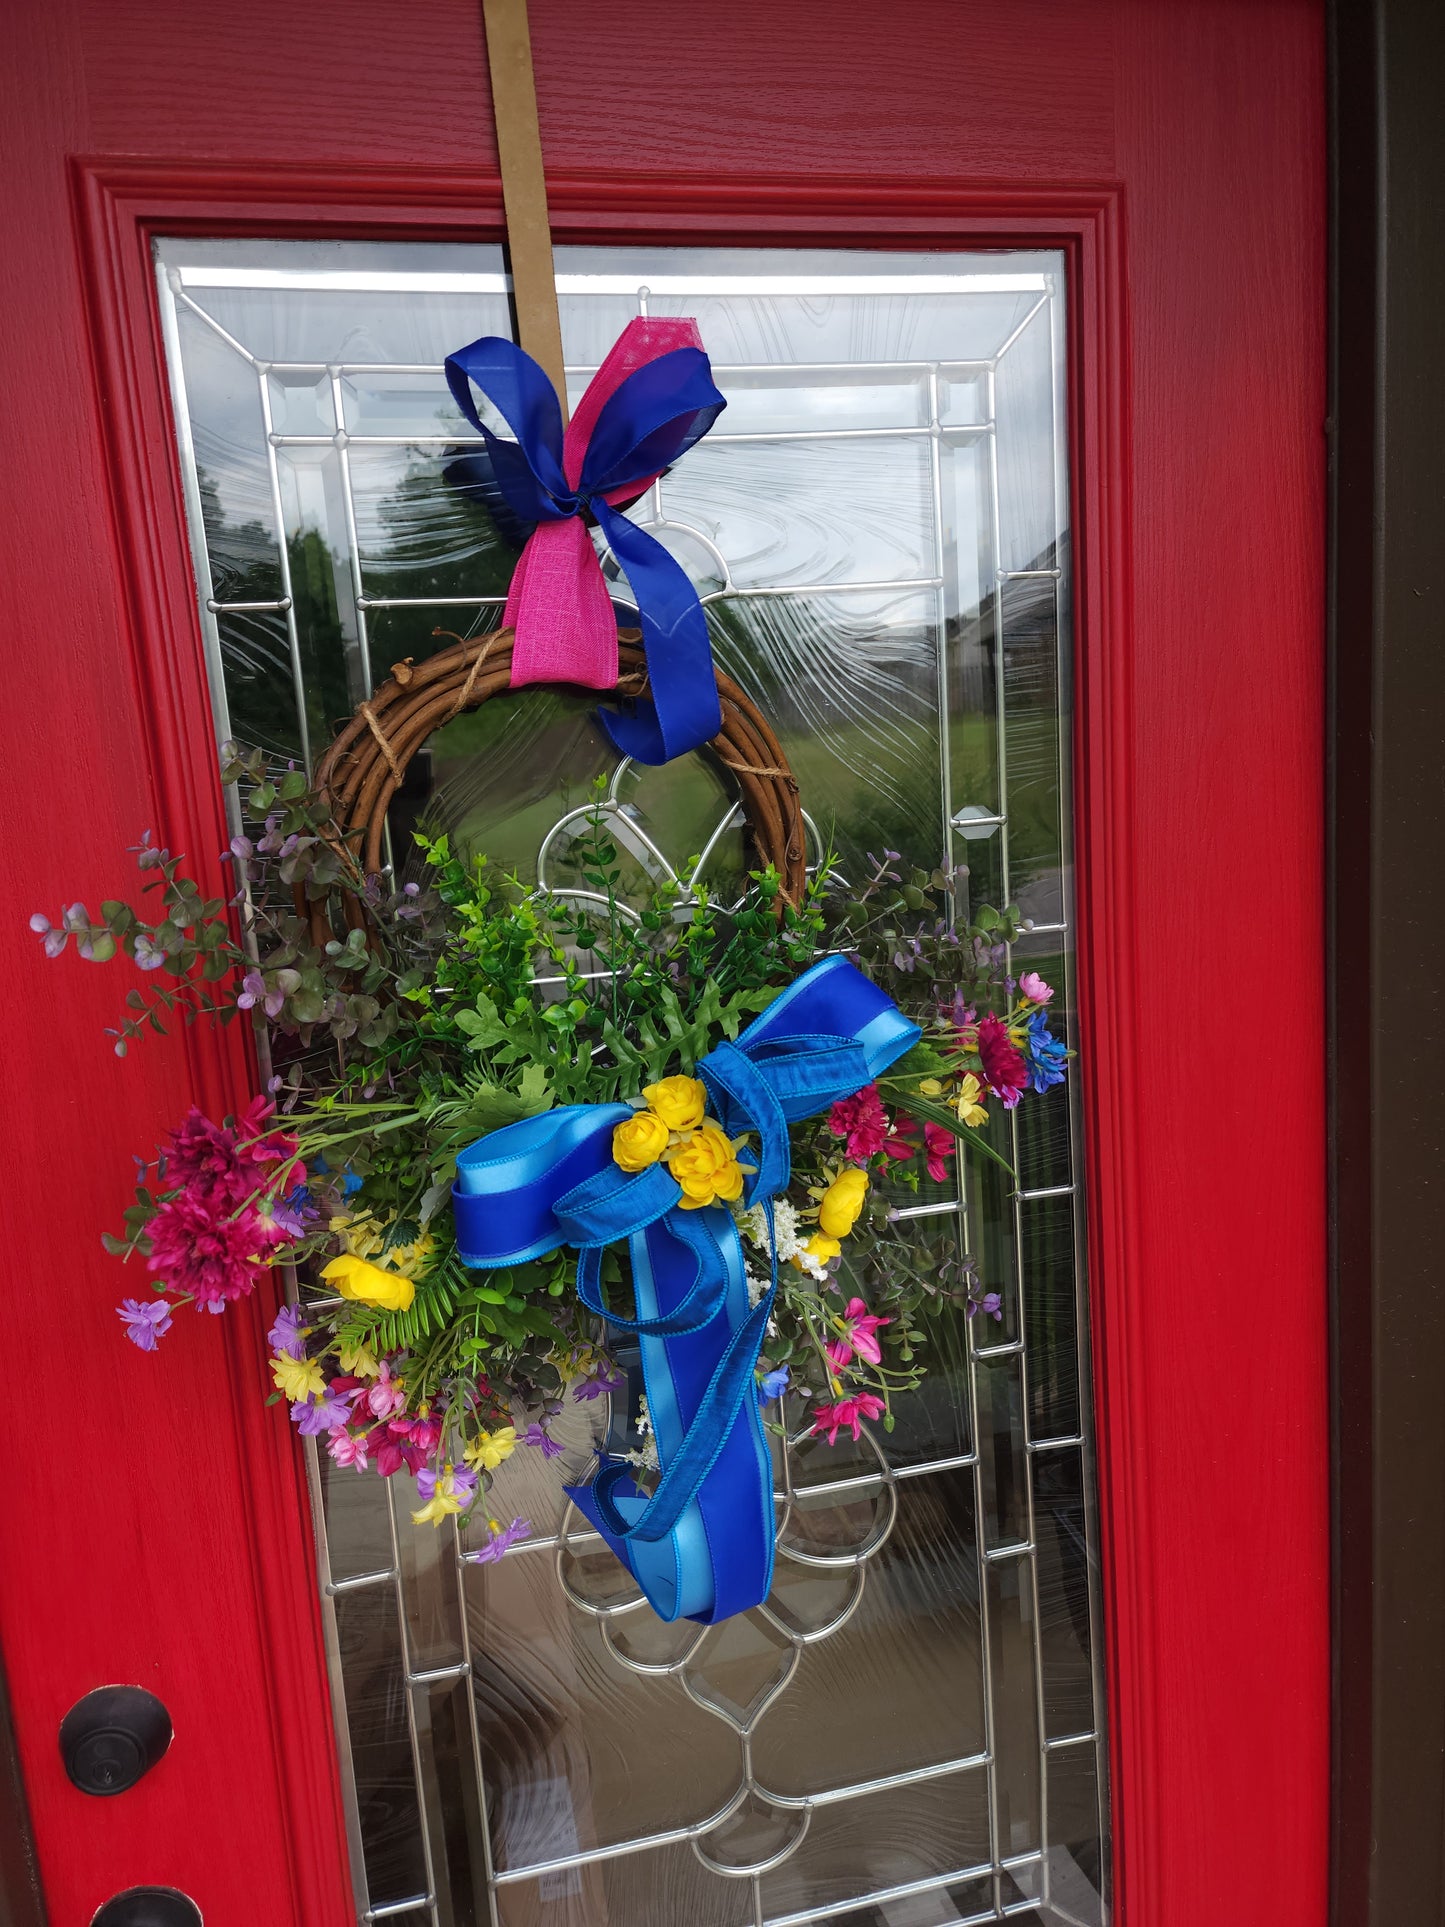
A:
858, 1337
1004, 1067
866, 1128
1034, 988
198, 1246
846, 1415
146, 1323
349, 1448
538, 1435
940, 1144
387, 1395
392, 1453
500, 1542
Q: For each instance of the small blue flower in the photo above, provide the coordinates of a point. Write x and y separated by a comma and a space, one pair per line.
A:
1047, 1054
773, 1385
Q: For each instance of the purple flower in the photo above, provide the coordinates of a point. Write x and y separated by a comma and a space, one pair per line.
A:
991, 1303
145, 1323
543, 1440
499, 1543
242, 847
314, 1416
774, 1384
605, 1380
287, 1334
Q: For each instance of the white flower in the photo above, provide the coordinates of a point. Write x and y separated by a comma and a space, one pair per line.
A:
645, 1459
753, 1224
644, 1417
758, 1289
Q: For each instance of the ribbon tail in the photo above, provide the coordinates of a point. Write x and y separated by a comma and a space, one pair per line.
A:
559, 608
702, 1548
681, 710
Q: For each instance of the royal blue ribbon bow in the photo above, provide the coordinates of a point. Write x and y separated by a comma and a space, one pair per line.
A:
629, 427
701, 1544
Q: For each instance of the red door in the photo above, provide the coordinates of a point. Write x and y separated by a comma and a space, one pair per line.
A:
155, 1522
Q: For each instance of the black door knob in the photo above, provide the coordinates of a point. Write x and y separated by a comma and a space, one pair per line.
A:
113, 1736
148, 1907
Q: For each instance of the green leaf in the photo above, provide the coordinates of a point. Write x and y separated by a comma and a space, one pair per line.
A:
967, 1134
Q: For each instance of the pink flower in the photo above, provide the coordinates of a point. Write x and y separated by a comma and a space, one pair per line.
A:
940, 1144
858, 1337
845, 1415
349, 1448
1004, 1068
387, 1395
426, 1433
1035, 989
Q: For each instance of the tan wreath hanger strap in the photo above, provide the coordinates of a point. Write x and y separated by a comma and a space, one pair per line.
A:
524, 187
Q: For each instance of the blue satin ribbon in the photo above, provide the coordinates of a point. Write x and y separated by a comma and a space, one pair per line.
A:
701, 1544
652, 418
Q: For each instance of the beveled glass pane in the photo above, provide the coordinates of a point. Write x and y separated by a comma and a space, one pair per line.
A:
878, 525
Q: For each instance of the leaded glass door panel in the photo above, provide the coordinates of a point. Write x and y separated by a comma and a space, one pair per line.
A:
910, 1730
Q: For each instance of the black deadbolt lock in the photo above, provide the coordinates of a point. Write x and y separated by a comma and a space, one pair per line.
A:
148, 1907
110, 1739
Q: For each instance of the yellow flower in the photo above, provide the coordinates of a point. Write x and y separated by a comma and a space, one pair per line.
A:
444, 1499
639, 1140
970, 1110
297, 1378
679, 1101
818, 1248
706, 1167
359, 1361
841, 1203
488, 1449
930, 1087
368, 1284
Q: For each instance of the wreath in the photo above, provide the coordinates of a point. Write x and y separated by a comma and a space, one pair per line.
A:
519, 1146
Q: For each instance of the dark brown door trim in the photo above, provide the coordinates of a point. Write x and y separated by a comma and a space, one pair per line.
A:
1387, 960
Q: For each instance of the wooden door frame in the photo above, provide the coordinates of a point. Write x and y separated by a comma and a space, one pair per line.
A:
120, 206
1387, 937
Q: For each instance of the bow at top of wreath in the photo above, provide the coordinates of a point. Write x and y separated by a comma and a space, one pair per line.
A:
651, 399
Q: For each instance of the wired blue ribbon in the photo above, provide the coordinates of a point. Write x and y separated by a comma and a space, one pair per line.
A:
701, 1544
649, 402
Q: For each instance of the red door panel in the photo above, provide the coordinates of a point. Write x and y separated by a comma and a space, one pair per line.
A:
153, 1519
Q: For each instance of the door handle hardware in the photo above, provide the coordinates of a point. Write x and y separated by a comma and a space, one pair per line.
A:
113, 1737
149, 1907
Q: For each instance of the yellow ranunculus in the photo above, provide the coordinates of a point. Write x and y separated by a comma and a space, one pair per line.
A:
488, 1449
970, 1109
842, 1201
706, 1167
639, 1140
818, 1248
679, 1101
297, 1378
368, 1284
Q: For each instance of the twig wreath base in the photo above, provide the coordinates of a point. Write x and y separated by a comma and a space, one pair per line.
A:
367, 762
